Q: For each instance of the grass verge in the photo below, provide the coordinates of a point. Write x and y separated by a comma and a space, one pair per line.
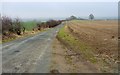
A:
73, 43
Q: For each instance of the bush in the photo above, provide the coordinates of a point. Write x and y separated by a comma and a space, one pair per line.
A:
10, 26
48, 24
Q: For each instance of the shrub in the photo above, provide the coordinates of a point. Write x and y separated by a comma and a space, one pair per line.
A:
10, 26
48, 24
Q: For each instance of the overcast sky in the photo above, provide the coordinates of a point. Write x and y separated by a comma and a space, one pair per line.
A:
59, 0
59, 9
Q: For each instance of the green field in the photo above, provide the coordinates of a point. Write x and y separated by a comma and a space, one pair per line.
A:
29, 25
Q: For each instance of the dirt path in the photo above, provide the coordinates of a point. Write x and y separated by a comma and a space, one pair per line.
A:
66, 61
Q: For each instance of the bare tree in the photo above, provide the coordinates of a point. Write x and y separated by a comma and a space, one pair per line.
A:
18, 26
6, 25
